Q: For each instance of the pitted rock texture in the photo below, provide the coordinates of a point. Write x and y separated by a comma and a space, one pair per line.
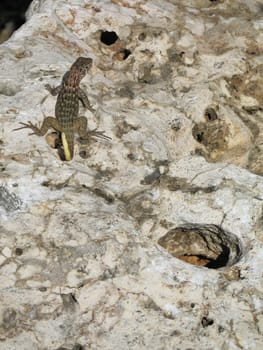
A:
207, 244
177, 86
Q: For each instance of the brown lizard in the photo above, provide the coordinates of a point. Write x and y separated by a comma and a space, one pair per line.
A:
67, 120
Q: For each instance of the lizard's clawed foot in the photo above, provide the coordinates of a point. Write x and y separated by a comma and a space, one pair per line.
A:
28, 125
99, 134
52, 90
48, 87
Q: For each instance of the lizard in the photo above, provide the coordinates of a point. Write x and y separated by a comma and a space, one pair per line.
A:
67, 120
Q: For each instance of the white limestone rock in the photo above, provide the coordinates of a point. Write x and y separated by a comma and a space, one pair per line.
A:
152, 240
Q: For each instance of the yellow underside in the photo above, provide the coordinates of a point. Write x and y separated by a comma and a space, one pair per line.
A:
65, 146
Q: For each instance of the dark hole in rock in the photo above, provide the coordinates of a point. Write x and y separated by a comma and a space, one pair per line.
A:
19, 251
108, 38
126, 53
210, 114
203, 245
207, 322
199, 136
122, 55
84, 154
142, 36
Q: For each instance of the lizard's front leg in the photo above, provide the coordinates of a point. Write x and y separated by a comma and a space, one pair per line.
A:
84, 99
53, 90
49, 122
80, 126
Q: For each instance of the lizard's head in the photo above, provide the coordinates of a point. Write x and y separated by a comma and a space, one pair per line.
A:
82, 64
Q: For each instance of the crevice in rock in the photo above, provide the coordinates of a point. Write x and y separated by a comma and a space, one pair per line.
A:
203, 245
207, 322
125, 53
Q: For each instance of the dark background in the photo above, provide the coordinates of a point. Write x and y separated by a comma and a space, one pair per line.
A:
12, 14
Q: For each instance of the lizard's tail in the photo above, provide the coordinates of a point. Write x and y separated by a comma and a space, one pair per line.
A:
68, 144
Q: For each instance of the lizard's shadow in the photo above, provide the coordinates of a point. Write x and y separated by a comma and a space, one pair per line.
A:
59, 146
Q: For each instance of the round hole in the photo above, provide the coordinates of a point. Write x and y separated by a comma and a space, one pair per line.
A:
126, 53
19, 251
108, 38
203, 245
142, 36
210, 114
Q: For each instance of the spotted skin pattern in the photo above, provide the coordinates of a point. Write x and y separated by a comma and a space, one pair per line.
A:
67, 120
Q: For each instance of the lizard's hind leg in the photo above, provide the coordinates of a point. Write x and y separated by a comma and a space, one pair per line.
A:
81, 128
49, 122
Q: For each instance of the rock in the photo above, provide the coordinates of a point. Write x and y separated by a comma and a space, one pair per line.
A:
153, 240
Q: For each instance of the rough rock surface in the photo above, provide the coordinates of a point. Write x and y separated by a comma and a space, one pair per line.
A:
154, 240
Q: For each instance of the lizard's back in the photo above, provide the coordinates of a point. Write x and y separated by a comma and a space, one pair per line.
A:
67, 109
67, 105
